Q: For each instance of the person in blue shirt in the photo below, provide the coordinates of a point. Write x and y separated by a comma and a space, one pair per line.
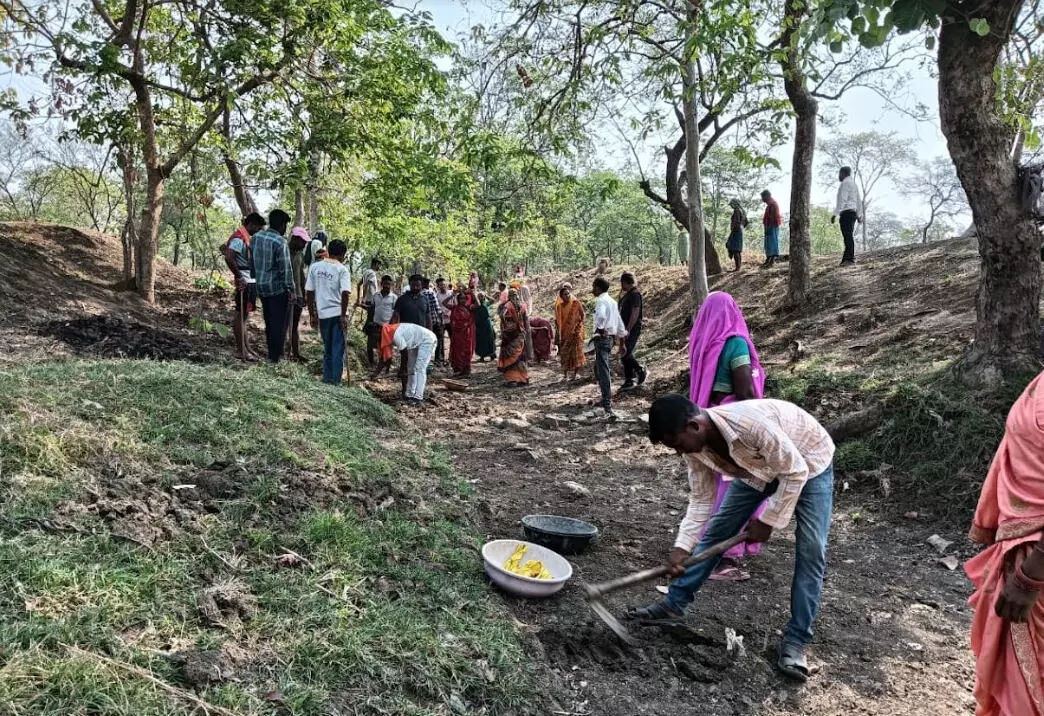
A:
275, 280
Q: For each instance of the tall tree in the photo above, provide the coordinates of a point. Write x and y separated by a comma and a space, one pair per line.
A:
811, 75
972, 35
181, 63
806, 111
580, 58
936, 183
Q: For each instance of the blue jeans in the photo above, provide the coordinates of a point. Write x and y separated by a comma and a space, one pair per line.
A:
333, 349
813, 526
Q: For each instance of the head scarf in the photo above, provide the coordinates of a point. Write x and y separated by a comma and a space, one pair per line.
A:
387, 336
513, 298
737, 206
718, 320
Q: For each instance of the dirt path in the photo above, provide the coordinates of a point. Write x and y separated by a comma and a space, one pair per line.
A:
891, 637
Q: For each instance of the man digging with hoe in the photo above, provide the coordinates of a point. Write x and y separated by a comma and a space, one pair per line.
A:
774, 451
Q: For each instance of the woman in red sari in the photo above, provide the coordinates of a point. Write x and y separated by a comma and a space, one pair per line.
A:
462, 332
1008, 628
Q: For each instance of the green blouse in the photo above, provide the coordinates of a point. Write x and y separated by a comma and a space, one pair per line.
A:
734, 354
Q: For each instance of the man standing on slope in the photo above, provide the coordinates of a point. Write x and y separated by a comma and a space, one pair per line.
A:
328, 290
379, 311
631, 313
773, 220
775, 453
275, 280
850, 208
237, 256
608, 329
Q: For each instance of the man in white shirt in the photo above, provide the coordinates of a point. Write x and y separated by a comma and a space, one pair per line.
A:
850, 208
608, 329
368, 286
418, 343
379, 310
328, 291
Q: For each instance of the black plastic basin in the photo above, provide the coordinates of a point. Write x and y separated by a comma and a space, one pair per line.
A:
564, 535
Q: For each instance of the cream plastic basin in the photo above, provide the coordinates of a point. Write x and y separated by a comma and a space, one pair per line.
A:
495, 553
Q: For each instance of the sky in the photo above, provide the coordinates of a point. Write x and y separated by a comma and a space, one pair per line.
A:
860, 110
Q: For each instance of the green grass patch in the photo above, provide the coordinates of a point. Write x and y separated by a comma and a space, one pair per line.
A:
387, 612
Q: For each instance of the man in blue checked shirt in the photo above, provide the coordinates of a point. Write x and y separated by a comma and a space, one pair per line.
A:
275, 280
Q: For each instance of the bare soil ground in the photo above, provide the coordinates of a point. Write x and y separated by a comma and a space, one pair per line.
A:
891, 638
62, 284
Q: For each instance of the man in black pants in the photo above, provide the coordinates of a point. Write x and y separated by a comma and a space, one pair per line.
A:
850, 208
275, 281
631, 313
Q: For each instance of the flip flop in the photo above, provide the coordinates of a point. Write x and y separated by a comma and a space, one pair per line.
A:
729, 574
792, 662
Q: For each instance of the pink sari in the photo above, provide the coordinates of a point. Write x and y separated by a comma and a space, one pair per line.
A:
1009, 658
718, 320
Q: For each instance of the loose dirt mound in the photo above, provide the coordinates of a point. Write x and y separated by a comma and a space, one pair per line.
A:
62, 283
108, 337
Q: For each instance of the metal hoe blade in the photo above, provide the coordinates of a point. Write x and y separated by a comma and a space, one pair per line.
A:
603, 613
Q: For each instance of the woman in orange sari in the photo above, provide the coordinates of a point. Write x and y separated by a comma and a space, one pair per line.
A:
569, 320
1008, 628
514, 343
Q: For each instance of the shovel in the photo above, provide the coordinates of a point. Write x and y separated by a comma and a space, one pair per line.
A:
595, 592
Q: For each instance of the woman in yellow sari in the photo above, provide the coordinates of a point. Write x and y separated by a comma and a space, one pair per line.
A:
514, 346
569, 320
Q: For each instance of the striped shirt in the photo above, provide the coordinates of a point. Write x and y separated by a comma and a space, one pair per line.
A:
432, 304
271, 257
768, 440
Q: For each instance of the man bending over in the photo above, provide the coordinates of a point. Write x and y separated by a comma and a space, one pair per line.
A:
774, 451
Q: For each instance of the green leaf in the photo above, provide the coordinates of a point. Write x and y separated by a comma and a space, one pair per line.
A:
929, 43
837, 46
979, 26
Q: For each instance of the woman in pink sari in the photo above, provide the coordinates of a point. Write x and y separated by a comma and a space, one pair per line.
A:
1007, 633
724, 368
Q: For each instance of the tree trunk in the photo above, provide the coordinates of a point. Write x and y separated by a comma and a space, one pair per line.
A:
1007, 329
677, 204
806, 108
698, 288
130, 231
148, 235
235, 172
299, 207
313, 193
865, 242
177, 249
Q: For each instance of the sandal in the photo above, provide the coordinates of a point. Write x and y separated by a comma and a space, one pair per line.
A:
729, 573
792, 661
657, 613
